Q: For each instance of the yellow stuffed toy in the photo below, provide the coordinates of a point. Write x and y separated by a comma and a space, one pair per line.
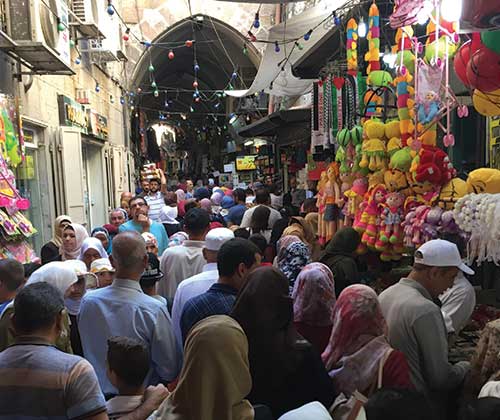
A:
395, 181
451, 192
373, 148
393, 135
484, 180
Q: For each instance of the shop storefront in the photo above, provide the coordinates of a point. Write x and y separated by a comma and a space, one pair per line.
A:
84, 161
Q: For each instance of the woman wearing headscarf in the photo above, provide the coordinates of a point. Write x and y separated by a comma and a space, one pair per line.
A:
301, 228
91, 250
168, 217
339, 257
313, 301
286, 371
293, 256
63, 277
206, 205
102, 234
259, 222
51, 250
73, 236
358, 346
217, 347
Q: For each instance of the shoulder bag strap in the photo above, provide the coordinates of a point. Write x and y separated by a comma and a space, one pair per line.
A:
381, 367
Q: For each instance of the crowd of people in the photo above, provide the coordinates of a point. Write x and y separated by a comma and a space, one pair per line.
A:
213, 303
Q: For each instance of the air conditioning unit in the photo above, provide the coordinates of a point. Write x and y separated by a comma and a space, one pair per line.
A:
121, 52
34, 27
87, 14
105, 49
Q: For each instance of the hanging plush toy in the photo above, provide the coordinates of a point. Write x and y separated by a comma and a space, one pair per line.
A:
370, 217
392, 216
372, 57
332, 201
321, 205
352, 47
355, 197
373, 148
429, 86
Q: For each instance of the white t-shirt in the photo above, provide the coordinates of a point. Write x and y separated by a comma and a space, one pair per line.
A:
458, 303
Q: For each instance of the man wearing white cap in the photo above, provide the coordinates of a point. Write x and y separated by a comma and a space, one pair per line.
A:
200, 283
416, 325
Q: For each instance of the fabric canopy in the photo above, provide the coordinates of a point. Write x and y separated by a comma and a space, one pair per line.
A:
284, 83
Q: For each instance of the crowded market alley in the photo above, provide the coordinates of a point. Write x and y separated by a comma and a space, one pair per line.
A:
260, 210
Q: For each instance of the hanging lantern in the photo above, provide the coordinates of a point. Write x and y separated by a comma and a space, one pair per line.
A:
171, 55
188, 43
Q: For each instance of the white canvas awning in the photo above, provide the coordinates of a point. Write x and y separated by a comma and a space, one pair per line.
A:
284, 83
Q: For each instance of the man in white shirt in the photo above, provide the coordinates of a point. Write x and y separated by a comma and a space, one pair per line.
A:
181, 262
156, 197
262, 198
458, 302
200, 283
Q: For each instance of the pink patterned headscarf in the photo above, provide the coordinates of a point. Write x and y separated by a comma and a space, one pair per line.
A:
358, 340
314, 295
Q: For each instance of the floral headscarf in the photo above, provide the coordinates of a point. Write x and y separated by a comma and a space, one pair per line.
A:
292, 259
314, 295
358, 340
216, 198
177, 239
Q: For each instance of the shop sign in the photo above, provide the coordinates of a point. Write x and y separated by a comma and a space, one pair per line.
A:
245, 163
72, 114
98, 125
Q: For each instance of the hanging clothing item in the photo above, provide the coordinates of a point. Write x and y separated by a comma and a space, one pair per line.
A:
216, 346
80, 235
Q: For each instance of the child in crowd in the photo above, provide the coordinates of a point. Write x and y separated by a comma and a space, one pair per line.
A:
104, 271
127, 368
151, 276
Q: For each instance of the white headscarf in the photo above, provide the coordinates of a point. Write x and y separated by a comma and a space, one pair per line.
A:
57, 273
56, 229
92, 243
312, 411
80, 235
168, 215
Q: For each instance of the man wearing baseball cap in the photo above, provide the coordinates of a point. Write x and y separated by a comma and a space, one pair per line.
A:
200, 283
416, 325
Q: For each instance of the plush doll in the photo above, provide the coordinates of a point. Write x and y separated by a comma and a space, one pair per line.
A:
375, 179
354, 197
401, 159
392, 216
393, 135
372, 214
433, 165
332, 200
418, 224
484, 180
408, 229
343, 140
346, 179
320, 204
428, 109
373, 148
431, 225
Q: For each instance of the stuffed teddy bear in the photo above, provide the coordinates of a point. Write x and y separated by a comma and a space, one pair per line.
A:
395, 181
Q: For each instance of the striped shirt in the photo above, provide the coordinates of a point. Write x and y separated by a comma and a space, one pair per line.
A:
39, 381
155, 202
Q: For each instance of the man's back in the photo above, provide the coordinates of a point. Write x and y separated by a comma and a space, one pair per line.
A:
274, 216
416, 328
189, 288
39, 381
122, 309
218, 300
179, 263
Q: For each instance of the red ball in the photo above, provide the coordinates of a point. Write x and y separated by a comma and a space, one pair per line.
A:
125, 37
189, 43
461, 60
483, 70
171, 55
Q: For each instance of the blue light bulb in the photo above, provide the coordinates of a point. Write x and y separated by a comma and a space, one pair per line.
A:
110, 10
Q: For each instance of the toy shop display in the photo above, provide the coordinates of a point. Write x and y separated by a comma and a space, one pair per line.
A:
15, 228
389, 178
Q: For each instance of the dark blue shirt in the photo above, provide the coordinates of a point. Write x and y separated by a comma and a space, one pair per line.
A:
218, 300
236, 214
